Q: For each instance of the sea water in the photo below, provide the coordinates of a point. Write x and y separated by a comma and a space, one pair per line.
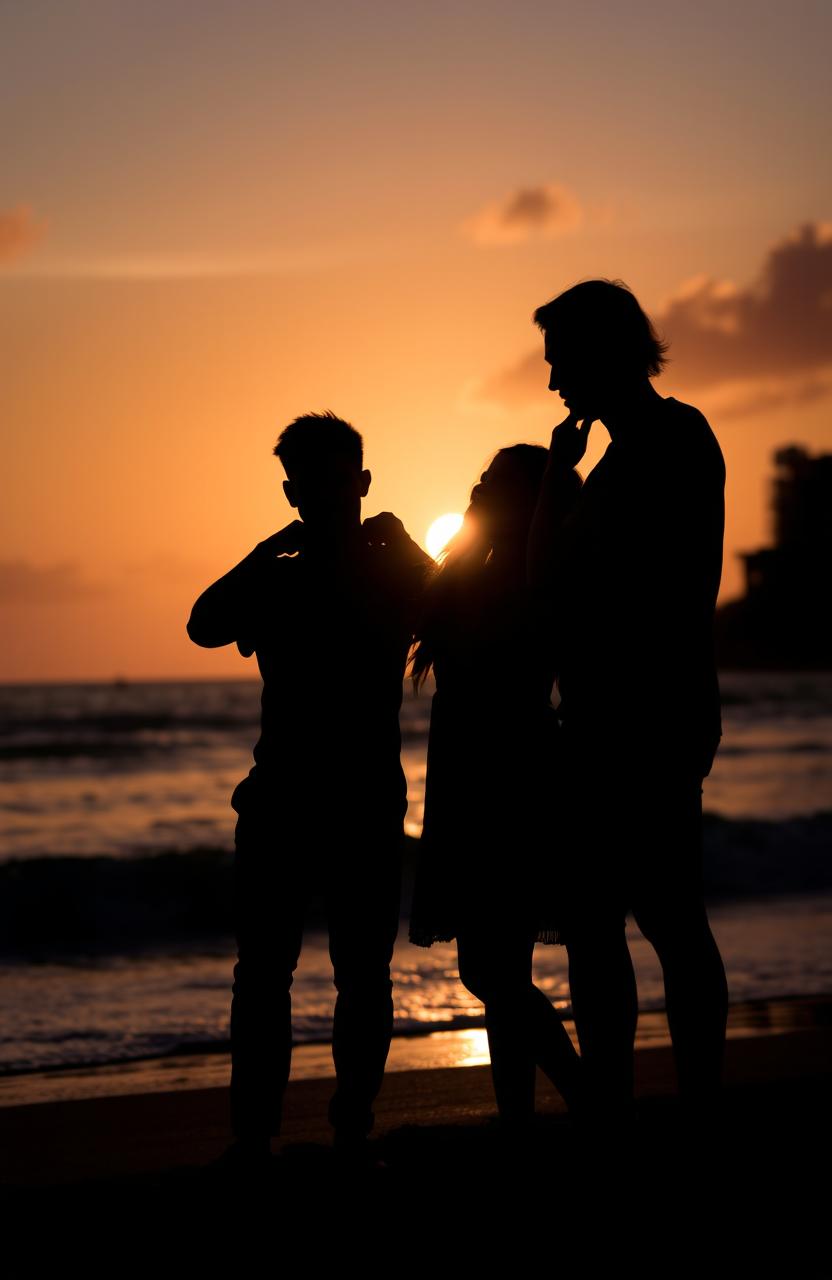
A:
116, 836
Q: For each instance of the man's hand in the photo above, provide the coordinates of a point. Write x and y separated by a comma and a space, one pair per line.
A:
286, 542
384, 530
569, 441
555, 502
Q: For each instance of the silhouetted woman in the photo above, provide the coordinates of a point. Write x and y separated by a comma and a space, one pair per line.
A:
490, 829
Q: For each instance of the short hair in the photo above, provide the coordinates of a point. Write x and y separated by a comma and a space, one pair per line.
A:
313, 436
605, 315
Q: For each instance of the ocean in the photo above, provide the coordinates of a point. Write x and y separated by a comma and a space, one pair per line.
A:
115, 870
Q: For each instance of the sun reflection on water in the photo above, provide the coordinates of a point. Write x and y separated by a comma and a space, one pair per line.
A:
473, 1046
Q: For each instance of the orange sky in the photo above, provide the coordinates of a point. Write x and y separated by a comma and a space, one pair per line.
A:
215, 217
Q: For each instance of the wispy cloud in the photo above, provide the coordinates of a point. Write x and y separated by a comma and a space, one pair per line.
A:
22, 582
180, 265
747, 397
20, 231
523, 383
155, 266
753, 348
527, 213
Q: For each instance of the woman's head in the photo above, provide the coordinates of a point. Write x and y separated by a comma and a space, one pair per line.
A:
503, 502
499, 516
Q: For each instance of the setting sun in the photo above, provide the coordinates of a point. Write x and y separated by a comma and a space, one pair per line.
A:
441, 531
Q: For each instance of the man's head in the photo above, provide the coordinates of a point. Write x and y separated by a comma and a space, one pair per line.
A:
323, 458
600, 344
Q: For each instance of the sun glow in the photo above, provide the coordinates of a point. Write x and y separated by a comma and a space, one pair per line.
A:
441, 531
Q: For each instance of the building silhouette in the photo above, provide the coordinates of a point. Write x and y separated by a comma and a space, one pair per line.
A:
784, 618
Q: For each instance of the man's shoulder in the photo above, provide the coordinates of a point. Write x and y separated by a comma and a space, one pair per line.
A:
686, 416
690, 437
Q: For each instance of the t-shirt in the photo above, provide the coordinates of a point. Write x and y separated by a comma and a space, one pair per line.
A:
635, 592
331, 644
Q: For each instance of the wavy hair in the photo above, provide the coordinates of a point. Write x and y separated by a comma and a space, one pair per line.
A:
464, 559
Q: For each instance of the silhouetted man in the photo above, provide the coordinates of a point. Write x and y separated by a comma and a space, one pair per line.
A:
630, 578
327, 606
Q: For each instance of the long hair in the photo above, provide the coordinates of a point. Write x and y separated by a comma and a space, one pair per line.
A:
463, 560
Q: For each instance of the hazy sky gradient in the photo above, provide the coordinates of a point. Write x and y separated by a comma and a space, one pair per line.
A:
214, 217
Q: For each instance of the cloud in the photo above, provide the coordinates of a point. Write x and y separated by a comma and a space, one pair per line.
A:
744, 398
527, 213
159, 266
21, 582
20, 230
519, 385
178, 265
782, 324
168, 569
757, 348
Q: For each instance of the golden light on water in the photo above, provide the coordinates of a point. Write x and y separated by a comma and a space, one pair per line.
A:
441, 531
476, 1052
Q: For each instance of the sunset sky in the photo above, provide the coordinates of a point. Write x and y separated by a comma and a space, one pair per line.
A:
216, 216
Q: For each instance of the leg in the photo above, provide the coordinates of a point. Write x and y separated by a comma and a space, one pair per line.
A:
269, 923
670, 912
553, 1050
601, 977
524, 1030
605, 1005
696, 994
363, 904
496, 977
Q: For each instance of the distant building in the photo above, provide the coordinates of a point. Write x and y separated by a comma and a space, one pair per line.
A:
785, 618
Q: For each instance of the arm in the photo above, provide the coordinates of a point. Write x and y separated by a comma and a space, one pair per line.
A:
387, 531
223, 612
411, 565
548, 534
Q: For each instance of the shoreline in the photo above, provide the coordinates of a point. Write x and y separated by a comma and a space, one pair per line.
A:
131, 1181
416, 1049
156, 1142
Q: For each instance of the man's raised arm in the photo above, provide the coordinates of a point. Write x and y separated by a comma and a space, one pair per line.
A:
558, 491
223, 612
386, 530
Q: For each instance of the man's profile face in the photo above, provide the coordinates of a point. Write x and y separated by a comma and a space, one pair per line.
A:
328, 492
571, 376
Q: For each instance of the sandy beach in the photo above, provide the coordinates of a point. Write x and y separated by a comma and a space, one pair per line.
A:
754, 1186
69, 1143
113, 1092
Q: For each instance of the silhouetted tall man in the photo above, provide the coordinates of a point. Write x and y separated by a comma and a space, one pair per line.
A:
327, 606
630, 578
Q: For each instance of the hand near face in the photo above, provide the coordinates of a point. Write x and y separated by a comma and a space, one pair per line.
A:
387, 533
384, 529
569, 441
286, 542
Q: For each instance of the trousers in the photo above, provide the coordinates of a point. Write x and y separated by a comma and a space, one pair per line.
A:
277, 870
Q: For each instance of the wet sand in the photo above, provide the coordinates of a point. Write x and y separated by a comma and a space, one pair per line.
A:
61, 1143
746, 1194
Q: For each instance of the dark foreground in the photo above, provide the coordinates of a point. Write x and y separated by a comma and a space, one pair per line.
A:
124, 1184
